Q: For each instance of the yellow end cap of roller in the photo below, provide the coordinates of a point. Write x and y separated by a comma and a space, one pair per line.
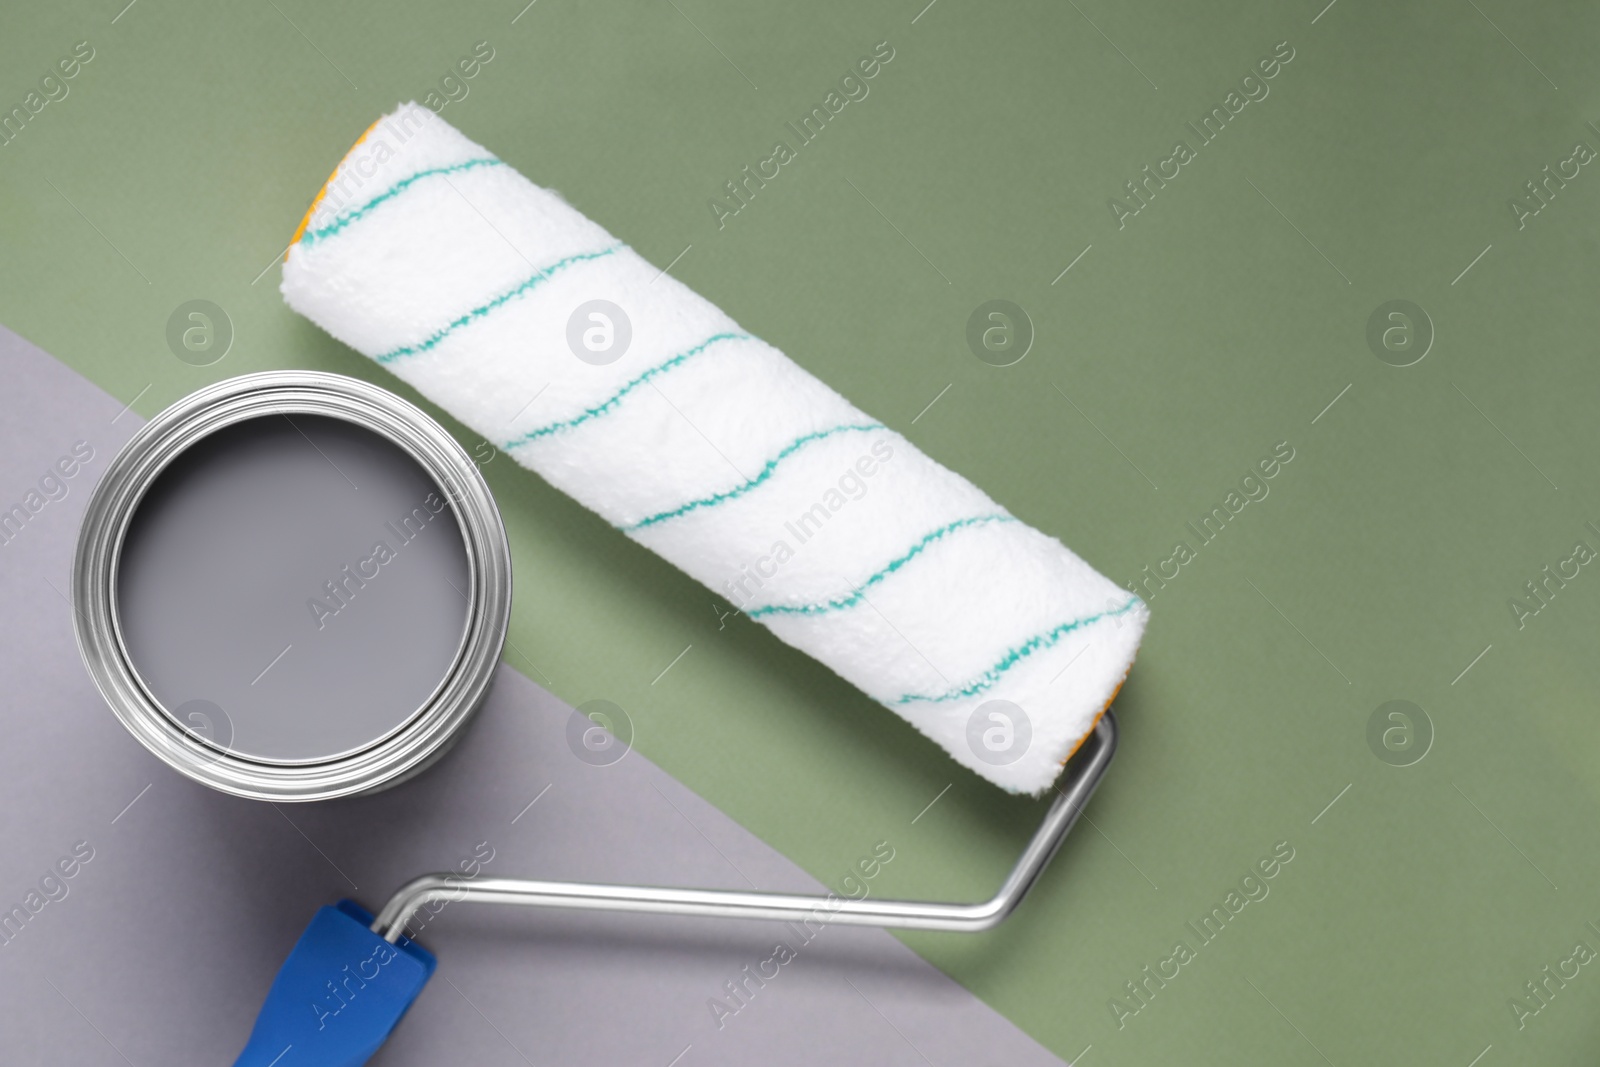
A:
316, 202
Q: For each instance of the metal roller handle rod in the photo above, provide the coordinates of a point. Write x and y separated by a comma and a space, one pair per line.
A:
1084, 775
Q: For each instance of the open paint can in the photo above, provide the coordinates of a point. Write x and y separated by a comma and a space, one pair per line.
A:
293, 586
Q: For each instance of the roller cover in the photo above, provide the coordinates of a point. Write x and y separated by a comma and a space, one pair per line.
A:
530, 323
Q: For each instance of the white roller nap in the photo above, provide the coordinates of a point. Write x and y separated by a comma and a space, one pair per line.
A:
712, 448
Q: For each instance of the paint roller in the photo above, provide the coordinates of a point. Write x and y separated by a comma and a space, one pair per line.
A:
531, 324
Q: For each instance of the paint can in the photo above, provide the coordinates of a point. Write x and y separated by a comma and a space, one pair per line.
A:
293, 586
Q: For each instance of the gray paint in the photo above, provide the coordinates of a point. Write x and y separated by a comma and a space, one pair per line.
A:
168, 938
255, 601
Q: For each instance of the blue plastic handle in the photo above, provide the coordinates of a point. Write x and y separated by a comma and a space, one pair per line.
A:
338, 995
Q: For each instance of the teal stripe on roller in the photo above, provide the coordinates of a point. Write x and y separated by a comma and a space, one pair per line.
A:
616, 398
540, 275
390, 193
859, 593
1038, 643
766, 472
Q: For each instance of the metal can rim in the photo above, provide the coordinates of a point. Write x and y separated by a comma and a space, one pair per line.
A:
403, 752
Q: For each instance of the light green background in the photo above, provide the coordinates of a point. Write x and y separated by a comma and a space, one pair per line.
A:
1196, 338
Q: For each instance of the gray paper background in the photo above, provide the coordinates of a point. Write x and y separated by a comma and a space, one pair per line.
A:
165, 944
